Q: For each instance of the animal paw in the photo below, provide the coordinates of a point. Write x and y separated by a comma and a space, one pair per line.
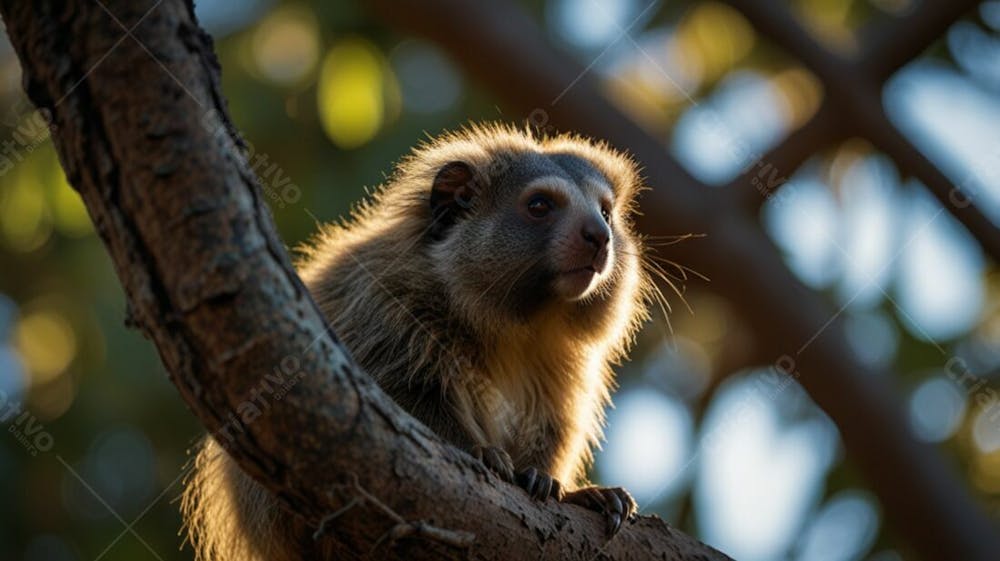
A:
615, 503
497, 460
539, 484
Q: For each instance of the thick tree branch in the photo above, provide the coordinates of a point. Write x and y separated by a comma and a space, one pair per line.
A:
891, 42
208, 280
767, 174
885, 46
855, 87
921, 494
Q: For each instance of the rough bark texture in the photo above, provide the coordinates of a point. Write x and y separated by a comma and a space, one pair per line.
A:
208, 280
921, 493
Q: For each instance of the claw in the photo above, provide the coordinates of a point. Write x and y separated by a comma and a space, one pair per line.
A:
614, 523
497, 460
528, 480
544, 488
614, 503
504, 463
539, 484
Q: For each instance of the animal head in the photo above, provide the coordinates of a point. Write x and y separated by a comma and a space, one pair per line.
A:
521, 227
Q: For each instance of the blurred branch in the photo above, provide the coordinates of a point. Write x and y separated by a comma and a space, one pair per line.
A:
922, 494
769, 173
507, 53
208, 280
889, 43
855, 86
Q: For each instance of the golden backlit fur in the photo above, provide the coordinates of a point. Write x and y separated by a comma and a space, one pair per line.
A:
441, 324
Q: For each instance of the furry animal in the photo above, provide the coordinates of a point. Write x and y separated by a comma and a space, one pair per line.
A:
486, 287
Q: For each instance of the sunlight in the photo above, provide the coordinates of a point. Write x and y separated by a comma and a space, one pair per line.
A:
648, 444
719, 137
351, 96
758, 475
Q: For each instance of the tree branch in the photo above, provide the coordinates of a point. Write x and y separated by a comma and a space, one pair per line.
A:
769, 173
209, 282
889, 43
855, 88
885, 46
920, 492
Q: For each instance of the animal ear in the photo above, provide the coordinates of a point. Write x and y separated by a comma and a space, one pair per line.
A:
452, 193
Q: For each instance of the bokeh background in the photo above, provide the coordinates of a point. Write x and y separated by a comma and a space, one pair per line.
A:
96, 439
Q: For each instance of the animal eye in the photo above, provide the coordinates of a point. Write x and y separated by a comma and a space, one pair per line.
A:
606, 214
539, 206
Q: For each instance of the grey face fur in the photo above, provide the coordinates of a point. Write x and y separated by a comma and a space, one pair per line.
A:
541, 228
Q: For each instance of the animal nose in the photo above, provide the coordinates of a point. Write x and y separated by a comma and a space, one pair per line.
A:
595, 232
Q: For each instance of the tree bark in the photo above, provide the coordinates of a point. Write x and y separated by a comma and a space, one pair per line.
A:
142, 132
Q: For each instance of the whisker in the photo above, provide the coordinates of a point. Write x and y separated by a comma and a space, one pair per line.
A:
661, 301
661, 241
683, 269
680, 275
656, 271
653, 243
680, 295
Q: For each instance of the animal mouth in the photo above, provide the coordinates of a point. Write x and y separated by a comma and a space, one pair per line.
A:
576, 283
582, 271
